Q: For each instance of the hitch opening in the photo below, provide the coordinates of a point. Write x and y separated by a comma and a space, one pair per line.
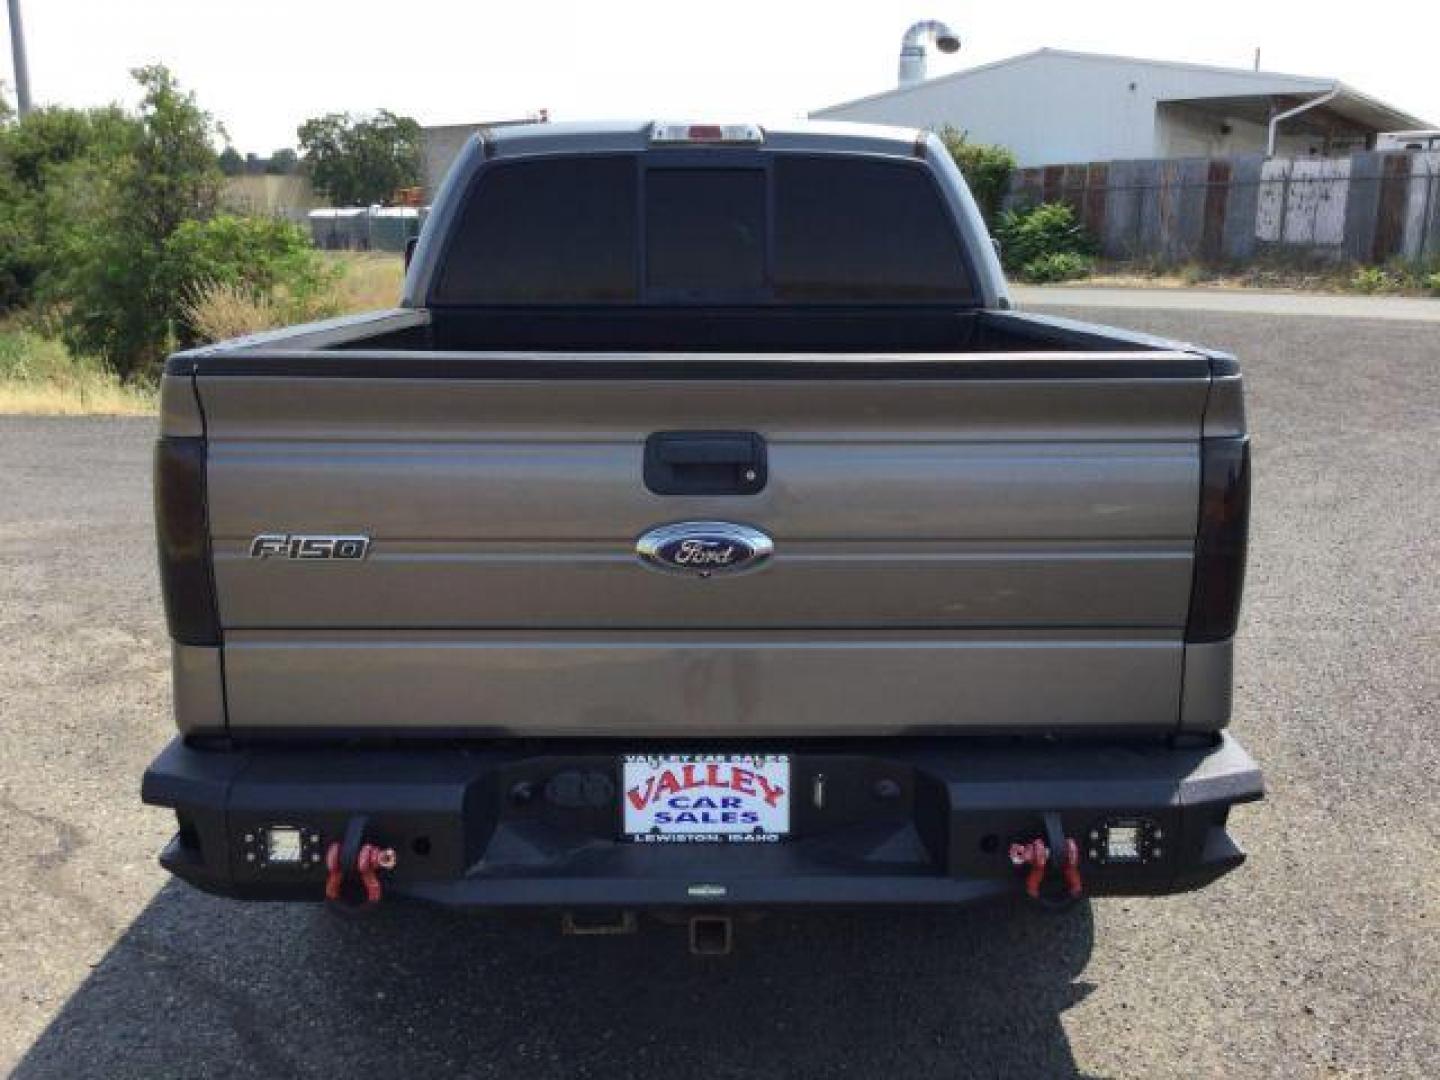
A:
712, 935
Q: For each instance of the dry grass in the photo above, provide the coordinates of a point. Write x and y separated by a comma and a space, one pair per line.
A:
228, 311
39, 377
1197, 277
368, 281
51, 399
1274, 275
362, 282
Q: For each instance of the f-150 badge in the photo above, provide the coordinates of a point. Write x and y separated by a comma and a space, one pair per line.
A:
296, 546
704, 548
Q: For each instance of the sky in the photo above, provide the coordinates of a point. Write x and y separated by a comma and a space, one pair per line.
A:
264, 66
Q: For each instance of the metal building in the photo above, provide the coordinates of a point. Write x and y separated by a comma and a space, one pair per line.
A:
441, 145
1054, 107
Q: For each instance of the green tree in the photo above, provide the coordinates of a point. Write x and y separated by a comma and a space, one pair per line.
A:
35, 148
41, 156
122, 304
230, 162
986, 169
357, 161
175, 177
283, 162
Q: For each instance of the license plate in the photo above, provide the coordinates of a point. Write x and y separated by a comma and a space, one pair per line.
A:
706, 798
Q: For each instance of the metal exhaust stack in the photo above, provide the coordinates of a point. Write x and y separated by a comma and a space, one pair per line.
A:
912, 48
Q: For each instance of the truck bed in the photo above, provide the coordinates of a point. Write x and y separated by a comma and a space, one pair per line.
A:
419, 334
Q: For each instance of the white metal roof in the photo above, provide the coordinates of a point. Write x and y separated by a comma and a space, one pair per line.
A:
1349, 102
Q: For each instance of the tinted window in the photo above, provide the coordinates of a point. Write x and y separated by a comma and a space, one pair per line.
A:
705, 230
863, 230
559, 231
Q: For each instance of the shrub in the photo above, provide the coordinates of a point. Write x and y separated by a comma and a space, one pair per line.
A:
267, 260
256, 252
1057, 266
1432, 282
1370, 279
1027, 236
987, 169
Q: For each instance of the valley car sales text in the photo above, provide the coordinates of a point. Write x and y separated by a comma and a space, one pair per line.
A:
699, 794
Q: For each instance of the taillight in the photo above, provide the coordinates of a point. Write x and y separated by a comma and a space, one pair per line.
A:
183, 537
1221, 539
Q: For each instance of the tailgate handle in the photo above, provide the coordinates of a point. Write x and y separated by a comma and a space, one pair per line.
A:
705, 463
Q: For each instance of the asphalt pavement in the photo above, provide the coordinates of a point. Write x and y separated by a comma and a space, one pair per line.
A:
1320, 958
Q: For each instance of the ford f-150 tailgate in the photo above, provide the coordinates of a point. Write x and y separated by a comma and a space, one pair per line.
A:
960, 543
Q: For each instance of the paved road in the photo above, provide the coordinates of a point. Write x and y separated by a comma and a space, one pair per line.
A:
1231, 301
1319, 959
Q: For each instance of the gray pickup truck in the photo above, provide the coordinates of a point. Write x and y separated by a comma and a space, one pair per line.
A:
703, 532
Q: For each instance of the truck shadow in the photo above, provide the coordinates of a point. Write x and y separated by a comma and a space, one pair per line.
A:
201, 986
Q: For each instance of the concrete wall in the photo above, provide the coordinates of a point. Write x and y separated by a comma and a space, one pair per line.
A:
441, 145
1370, 207
1184, 131
1052, 106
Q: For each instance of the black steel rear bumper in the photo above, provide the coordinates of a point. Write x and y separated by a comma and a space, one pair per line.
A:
536, 825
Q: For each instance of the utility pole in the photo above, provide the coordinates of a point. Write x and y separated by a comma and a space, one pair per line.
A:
17, 50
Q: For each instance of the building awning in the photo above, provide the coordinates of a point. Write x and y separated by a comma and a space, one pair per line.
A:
1348, 112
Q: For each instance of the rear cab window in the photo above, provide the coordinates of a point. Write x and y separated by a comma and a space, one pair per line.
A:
548, 231
764, 229
705, 231
863, 230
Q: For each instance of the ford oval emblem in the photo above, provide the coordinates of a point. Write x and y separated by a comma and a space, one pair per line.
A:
704, 548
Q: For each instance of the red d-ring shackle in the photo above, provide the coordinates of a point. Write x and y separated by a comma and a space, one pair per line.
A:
369, 861
1036, 856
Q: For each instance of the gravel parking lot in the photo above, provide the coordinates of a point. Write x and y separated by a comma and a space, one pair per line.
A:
1320, 958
